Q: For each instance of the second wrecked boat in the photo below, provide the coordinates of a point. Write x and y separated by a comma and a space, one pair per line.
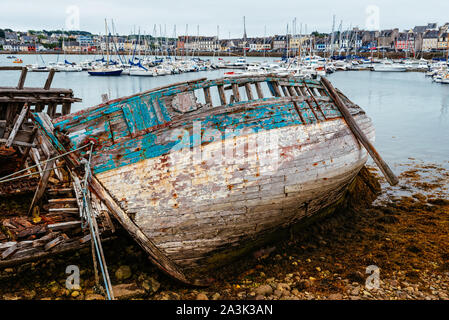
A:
195, 180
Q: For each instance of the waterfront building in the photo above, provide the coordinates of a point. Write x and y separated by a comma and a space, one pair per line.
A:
430, 40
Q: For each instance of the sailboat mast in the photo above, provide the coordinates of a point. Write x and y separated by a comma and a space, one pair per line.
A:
244, 37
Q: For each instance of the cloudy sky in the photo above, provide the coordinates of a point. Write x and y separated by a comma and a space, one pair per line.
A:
274, 15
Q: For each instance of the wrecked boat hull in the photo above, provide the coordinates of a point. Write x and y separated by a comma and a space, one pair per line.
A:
192, 180
191, 211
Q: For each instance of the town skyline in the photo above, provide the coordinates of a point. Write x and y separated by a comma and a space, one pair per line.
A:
425, 38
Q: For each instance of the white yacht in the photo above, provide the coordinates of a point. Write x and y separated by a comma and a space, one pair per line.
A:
389, 66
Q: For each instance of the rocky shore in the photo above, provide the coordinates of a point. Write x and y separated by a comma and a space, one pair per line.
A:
396, 247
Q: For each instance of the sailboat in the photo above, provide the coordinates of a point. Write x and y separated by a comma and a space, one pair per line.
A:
106, 70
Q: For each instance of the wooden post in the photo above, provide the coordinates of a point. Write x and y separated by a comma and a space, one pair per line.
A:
222, 94
358, 133
207, 95
49, 79
51, 109
259, 90
23, 75
249, 93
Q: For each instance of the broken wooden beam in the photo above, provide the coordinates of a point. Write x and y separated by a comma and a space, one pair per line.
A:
63, 225
42, 183
17, 125
49, 79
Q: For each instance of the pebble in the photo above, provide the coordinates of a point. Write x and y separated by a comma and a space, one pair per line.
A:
335, 296
202, 296
127, 291
151, 285
94, 296
123, 273
264, 290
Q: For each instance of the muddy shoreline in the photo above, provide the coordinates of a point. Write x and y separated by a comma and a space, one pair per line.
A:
404, 233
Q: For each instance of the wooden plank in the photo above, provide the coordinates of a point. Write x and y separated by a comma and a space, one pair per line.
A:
207, 96
52, 109
291, 91
66, 107
298, 91
6, 245
17, 125
27, 150
235, 92
42, 184
352, 124
259, 90
22, 78
19, 143
314, 99
53, 243
249, 93
9, 251
64, 225
36, 158
49, 79
33, 91
276, 90
222, 94
7, 68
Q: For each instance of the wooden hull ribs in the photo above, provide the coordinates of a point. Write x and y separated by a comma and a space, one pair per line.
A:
200, 169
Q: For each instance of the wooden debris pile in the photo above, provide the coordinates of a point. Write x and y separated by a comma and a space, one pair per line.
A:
52, 223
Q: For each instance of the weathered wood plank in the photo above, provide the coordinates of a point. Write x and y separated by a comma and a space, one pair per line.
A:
22, 78
17, 125
42, 184
222, 94
49, 80
259, 90
249, 93
235, 92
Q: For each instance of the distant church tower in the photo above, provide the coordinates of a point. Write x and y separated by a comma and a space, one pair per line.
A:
244, 29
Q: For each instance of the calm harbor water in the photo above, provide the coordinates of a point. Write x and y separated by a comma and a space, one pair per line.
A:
409, 111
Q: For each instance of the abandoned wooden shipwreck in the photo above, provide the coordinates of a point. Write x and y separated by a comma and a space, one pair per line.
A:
188, 172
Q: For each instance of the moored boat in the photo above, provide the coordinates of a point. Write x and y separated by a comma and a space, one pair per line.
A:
198, 182
389, 66
105, 72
